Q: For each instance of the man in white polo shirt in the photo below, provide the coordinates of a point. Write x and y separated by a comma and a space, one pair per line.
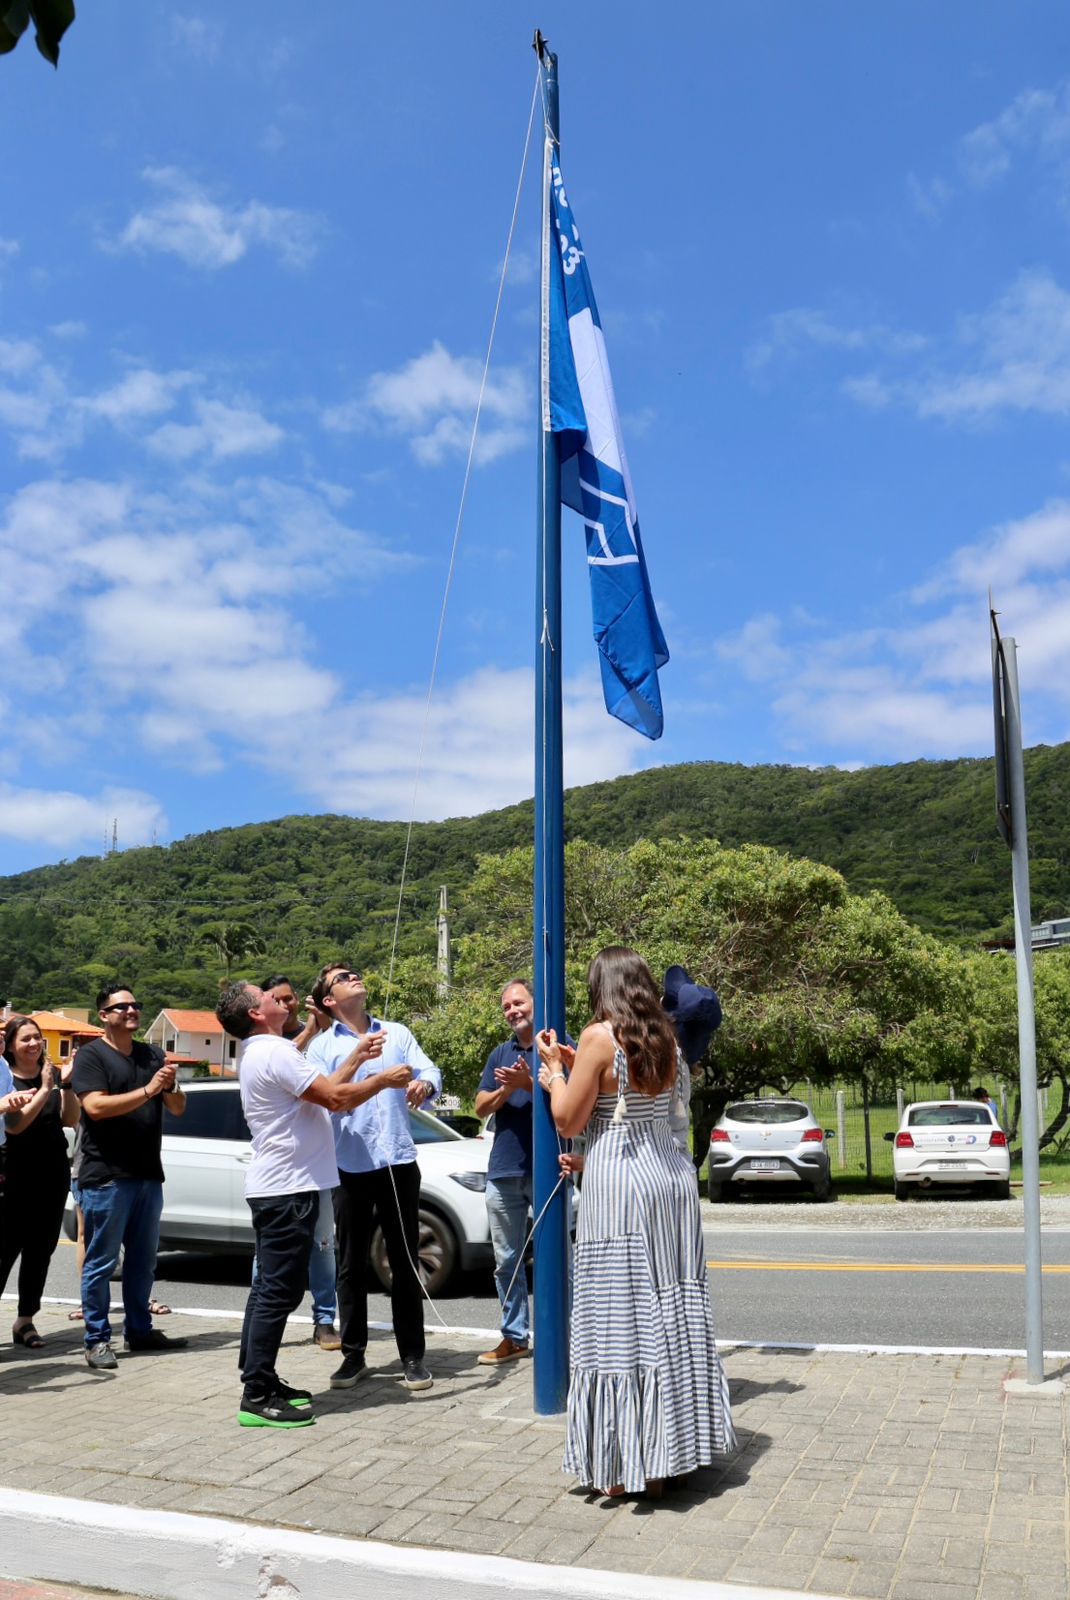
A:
287, 1101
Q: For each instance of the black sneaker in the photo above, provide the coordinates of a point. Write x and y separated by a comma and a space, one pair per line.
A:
294, 1397
273, 1411
349, 1374
156, 1340
417, 1375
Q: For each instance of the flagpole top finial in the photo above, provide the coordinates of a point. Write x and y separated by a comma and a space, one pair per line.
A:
540, 47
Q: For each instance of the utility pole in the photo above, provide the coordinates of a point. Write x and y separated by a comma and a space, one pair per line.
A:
442, 927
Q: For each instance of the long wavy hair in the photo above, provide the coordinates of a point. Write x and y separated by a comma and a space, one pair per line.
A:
11, 1030
624, 994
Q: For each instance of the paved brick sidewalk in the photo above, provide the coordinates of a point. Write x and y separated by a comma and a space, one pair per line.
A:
906, 1477
27, 1589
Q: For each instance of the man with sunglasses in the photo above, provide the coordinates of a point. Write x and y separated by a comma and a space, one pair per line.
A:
123, 1085
377, 1174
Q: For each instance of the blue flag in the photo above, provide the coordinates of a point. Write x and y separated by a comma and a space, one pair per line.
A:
579, 406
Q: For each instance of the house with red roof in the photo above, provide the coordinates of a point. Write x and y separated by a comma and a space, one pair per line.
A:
190, 1037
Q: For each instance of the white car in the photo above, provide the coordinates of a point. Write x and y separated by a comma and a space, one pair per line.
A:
950, 1142
207, 1150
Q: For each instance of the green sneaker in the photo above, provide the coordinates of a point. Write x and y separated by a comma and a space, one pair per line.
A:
275, 1411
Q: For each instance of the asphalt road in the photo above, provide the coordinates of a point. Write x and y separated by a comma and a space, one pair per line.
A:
820, 1285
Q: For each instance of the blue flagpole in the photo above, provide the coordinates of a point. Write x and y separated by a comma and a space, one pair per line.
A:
551, 1236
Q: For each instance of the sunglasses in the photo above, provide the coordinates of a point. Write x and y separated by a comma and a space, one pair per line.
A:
342, 977
124, 1005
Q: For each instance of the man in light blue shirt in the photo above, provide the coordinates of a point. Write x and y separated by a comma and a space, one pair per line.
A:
378, 1176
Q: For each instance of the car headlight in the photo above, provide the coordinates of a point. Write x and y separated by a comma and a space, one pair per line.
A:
470, 1180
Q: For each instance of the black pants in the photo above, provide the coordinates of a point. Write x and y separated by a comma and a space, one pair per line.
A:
34, 1215
285, 1225
361, 1199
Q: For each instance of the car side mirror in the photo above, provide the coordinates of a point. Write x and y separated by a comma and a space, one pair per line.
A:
888, 1137
830, 1133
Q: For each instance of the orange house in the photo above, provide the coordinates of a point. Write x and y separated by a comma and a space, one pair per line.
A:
63, 1034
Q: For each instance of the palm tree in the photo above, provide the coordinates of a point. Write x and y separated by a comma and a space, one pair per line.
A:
231, 941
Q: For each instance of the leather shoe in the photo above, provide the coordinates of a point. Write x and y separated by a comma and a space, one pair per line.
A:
326, 1336
508, 1350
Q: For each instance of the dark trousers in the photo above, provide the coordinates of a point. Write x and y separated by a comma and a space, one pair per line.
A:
361, 1199
285, 1225
34, 1217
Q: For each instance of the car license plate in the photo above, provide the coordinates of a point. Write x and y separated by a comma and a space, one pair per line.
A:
765, 1166
949, 1166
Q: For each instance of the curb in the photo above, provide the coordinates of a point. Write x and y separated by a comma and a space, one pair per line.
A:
169, 1555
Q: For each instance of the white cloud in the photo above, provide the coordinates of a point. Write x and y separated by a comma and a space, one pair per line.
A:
9, 248
1013, 356
206, 233
221, 431
477, 753
198, 37
929, 197
69, 330
62, 819
1037, 120
920, 685
142, 393
789, 333
433, 399
1023, 345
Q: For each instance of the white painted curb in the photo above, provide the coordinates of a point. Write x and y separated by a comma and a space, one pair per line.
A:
167, 1555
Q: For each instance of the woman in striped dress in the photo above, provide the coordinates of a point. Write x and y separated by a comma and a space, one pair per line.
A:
648, 1397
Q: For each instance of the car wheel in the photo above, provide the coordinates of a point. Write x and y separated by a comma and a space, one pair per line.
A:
714, 1191
1003, 1190
822, 1189
902, 1191
437, 1253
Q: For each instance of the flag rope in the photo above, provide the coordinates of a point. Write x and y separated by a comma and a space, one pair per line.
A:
455, 545
438, 640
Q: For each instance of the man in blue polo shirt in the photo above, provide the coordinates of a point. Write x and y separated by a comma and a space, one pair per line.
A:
377, 1174
505, 1094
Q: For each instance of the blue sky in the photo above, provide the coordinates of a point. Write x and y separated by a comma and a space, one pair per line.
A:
247, 276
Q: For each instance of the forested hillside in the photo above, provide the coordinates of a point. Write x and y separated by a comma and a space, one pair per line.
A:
294, 892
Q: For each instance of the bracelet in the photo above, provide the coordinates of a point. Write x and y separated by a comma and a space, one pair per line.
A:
145, 1088
555, 1075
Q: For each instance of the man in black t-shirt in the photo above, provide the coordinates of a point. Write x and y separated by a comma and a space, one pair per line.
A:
123, 1085
505, 1093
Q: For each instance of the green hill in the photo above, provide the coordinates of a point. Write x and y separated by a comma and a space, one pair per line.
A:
924, 832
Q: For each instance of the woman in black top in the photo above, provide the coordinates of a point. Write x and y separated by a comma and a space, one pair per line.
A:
38, 1171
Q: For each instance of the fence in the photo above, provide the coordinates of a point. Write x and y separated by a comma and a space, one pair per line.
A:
860, 1120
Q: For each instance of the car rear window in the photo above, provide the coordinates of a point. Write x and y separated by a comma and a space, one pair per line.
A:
211, 1114
950, 1117
426, 1129
766, 1111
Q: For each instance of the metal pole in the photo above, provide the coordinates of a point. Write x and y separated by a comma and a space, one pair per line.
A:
551, 1235
1027, 1044
865, 1129
841, 1129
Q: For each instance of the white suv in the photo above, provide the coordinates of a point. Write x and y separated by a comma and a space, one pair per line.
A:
206, 1152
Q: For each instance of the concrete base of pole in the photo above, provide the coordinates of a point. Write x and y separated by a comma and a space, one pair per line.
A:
1046, 1389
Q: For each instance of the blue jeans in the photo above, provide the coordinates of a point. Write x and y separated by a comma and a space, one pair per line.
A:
322, 1269
508, 1203
123, 1215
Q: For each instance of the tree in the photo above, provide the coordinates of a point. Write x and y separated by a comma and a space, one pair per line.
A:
50, 18
815, 982
231, 942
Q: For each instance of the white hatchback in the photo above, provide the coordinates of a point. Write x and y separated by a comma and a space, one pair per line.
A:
206, 1153
950, 1142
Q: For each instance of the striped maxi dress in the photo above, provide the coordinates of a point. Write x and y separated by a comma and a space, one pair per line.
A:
648, 1396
